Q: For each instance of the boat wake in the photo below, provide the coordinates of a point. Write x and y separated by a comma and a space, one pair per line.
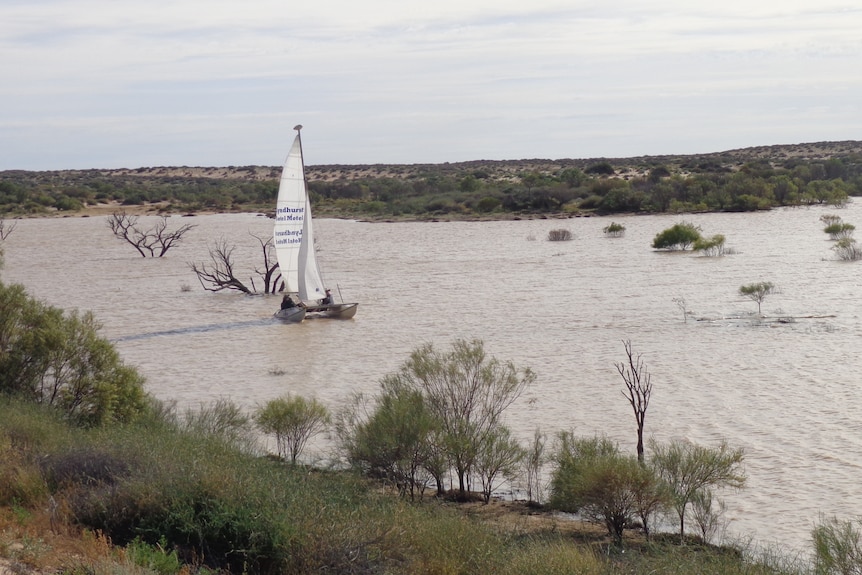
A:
195, 329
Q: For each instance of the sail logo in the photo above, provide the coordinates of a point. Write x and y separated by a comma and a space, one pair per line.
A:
289, 214
288, 237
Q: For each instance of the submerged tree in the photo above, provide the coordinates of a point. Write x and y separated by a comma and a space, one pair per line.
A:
220, 273
638, 390
757, 292
6, 229
155, 241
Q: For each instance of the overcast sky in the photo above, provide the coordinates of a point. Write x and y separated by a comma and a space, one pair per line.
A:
122, 83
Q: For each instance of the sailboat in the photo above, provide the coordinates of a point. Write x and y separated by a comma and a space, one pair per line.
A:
294, 245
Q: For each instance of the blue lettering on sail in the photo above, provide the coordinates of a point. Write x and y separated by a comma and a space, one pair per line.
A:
289, 214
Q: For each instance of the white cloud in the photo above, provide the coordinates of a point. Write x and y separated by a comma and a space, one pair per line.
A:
193, 82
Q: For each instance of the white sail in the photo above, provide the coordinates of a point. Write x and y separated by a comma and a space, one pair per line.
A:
293, 235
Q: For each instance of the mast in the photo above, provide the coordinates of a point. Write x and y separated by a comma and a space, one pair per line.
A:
298, 129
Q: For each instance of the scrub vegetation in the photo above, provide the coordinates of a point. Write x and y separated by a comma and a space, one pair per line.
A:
825, 173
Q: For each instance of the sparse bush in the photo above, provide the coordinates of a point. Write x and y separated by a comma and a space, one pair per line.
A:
830, 219
839, 230
293, 420
847, 249
223, 419
559, 235
711, 247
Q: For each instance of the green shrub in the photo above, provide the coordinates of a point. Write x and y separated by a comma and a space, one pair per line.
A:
488, 204
154, 557
711, 247
58, 359
614, 230
680, 236
839, 230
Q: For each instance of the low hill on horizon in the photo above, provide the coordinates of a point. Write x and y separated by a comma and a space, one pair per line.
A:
730, 160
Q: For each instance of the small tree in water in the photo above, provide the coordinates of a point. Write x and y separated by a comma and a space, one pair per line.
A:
757, 292
638, 390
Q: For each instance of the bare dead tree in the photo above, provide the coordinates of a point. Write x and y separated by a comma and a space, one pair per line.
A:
271, 274
155, 241
638, 390
5, 229
219, 274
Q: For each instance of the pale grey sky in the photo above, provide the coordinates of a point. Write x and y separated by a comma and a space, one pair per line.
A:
121, 83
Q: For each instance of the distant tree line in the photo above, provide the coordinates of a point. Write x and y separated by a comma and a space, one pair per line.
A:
694, 184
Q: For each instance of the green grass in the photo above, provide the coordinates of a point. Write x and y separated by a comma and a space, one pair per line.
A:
172, 501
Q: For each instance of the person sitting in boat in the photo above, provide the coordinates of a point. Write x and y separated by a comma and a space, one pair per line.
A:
287, 302
327, 299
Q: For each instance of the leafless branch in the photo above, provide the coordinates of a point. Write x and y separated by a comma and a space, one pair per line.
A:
638, 390
219, 274
5, 229
270, 272
158, 238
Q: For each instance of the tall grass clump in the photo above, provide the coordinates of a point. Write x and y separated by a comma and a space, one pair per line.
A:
27, 429
554, 558
837, 547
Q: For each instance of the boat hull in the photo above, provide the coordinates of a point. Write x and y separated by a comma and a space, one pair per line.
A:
332, 311
292, 315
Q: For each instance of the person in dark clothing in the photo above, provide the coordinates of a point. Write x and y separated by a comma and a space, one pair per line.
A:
327, 299
287, 302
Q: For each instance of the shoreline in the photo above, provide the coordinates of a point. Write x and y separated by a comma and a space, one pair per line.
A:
162, 209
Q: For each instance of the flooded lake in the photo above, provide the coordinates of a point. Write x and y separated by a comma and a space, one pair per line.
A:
789, 393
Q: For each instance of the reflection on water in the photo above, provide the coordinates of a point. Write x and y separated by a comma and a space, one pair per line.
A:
789, 393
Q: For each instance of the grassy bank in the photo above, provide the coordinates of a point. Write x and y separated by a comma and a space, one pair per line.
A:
153, 498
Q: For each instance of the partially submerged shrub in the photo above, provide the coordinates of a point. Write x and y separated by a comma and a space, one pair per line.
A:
711, 247
559, 235
839, 230
680, 236
614, 230
847, 249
